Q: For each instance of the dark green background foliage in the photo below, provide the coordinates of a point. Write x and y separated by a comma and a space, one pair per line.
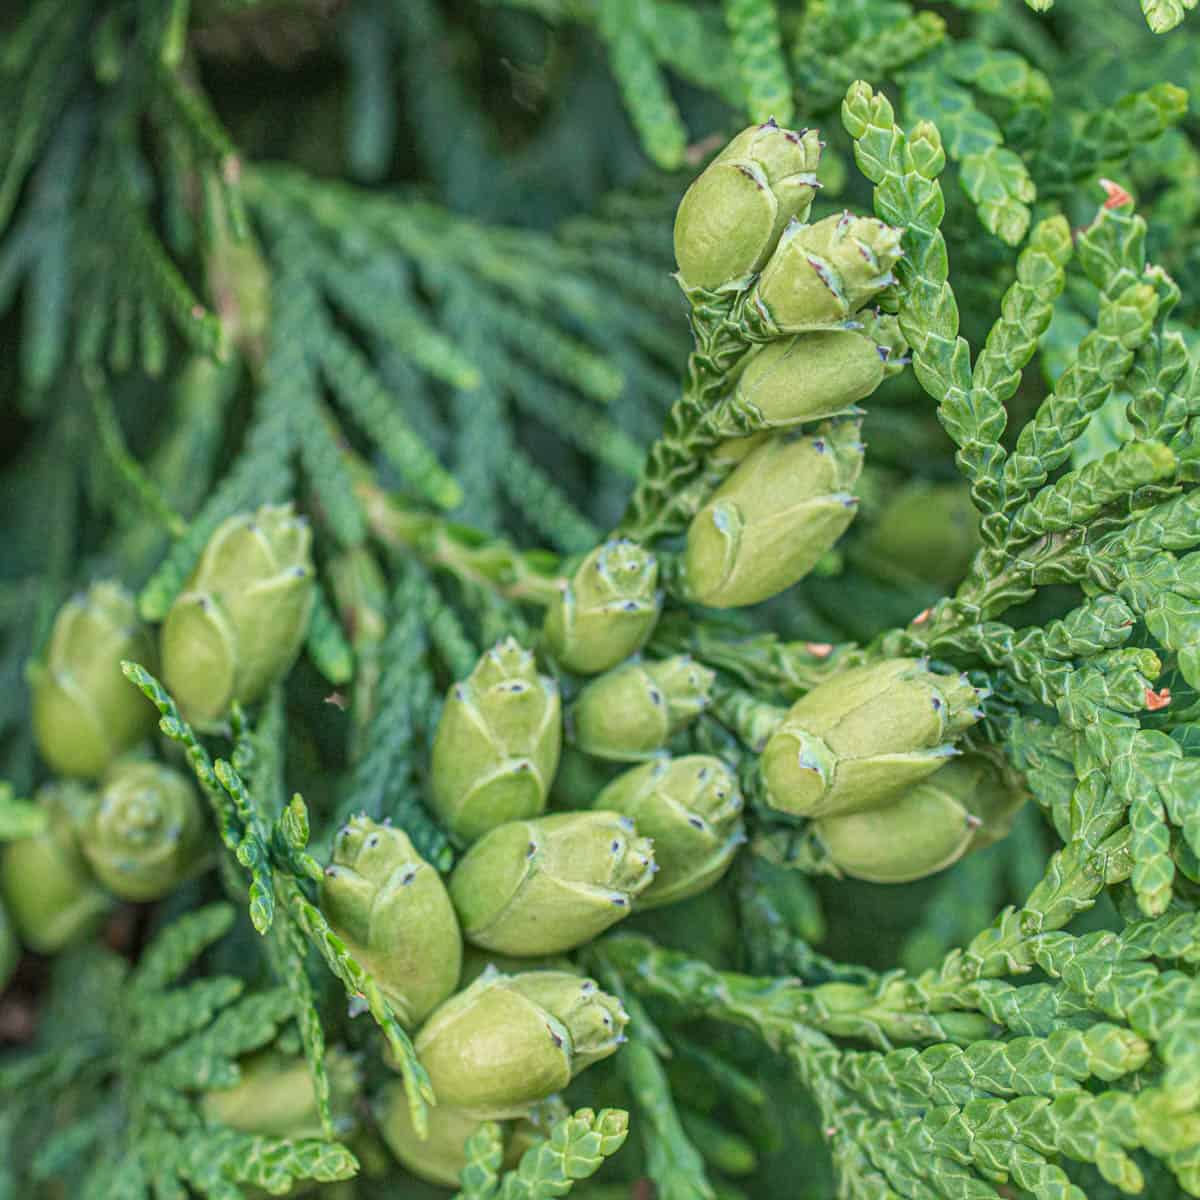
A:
458, 218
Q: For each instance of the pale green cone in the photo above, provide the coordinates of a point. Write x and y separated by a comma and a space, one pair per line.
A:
926, 532
51, 894
690, 808
862, 737
607, 609
441, 1156
146, 833
546, 886
10, 949
275, 1098
497, 744
822, 274
775, 516
509, 1041
816, 375
730, 219
239, 623
85, 712
967, 804
391, 909
632, 712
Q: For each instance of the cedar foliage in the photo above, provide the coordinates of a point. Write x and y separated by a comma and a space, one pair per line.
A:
407, 263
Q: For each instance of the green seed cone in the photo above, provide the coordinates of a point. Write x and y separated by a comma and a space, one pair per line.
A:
862, 737
690, 808
10, 949
146, 833
822, 274
630, 713
967, 804
497, 744
85, 712
440, 1157
731, 217
816, 375
545, 886
239, 623
607, 610
928, 532
391, 909
51, 895
775, 516
275, 1098
508, 1041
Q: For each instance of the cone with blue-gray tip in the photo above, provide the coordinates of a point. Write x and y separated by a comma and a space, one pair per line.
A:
391, 909
730, 219
964, 806
241, 619
691, 809
630, 714
607, 609
865, 735
770, 522
509, 1041
546, 886
497, 744
822, 274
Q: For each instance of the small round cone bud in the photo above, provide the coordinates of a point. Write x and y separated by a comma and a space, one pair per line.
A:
963, 806
239, 623
631, 713
546, 886
927, 532
862, 737
607, 610
509, 1041
816, 375
85, 712
391, 909
497, 744
10, 950
51, 895
146, 833
821, 274
773, 519
731, 217
274, 1096
690, 808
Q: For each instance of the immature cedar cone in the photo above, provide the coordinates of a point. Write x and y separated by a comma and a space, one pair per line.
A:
508, 1041
146, 833
964, 806
770, 522
497, 744
545, 886
731, 217
811, 376
821, 274
391, 909
863, 736
690, 808
606, 610
45, 880
631, 713
441, 1155
240, 621
85, 712
274, 1096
